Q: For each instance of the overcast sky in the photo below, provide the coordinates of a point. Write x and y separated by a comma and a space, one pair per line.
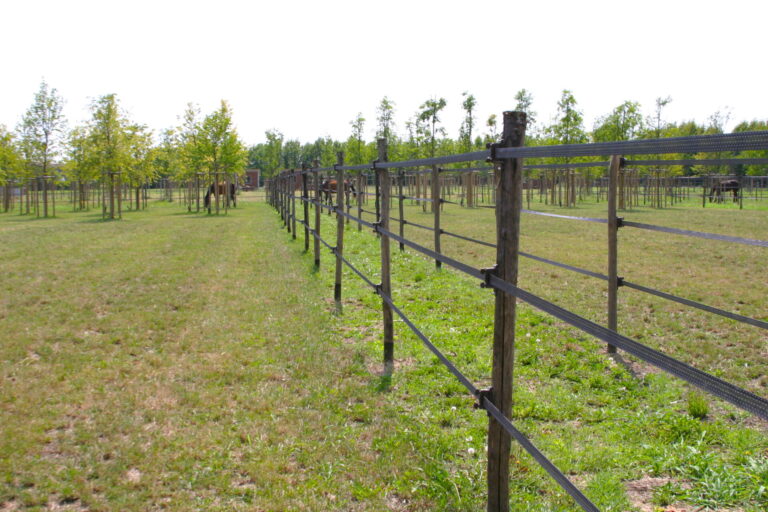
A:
307, 68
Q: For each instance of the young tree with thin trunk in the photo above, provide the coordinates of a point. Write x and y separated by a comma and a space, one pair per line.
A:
273, 152
356, 143
385, 119
109, 138
221, 149
468, 124
524, 100
82, 165
430, 116
41, 129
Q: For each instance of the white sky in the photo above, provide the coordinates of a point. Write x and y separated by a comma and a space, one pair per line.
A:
308, 67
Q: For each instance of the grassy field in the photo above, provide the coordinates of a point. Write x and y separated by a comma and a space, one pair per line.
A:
184, 362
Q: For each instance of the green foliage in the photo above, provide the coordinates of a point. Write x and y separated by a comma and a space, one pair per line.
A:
569, 123
751, 170
428, 119
219, 147
625, 122
655, 124
524, 100
356, 142
385, 119
108, 131
41, 129
465, 132
698, 407
493, 130
10, 156
273, 152
168, 155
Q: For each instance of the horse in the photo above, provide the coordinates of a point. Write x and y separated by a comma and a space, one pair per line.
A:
329, 187
221, 189
723, 187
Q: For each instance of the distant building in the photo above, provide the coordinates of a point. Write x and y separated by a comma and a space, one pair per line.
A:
252, 179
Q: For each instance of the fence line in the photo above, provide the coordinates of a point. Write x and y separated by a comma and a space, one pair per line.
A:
508, 165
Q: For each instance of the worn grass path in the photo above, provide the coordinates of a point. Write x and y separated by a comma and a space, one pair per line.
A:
149, 364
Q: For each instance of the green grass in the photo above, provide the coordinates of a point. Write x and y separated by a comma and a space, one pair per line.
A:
187, 362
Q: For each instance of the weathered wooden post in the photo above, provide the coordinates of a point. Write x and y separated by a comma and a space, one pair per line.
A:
318, 203
361, 190
292, 186
305, 200
401, 209
227, 182
53, 194
216, 178
340, 196
377, 185
436, 202
613, 243
509, 201
385, 287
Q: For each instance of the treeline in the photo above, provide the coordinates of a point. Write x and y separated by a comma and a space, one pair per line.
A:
42, 145
208, 144
424, 135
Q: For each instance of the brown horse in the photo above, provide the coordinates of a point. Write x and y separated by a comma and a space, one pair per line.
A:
221, 189
723, 187
329, 187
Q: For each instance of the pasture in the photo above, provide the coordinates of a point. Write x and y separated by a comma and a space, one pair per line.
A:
187, 362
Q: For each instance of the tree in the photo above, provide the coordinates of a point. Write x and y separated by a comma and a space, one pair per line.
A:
189, 143
273, 152
384, 118
220, 147
108, 133
291, 154
82, 164
356, 143
430, 116
524, 101
10, 157
10, 163
718, 120
568, 127
655, 123
493, 133
625, 122
41, 131
140, 168
467, 125
42, 128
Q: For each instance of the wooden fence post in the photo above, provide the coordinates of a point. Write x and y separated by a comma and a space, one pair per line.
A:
401, 209
340, 196
385, 286
305, 200
318, 203
361, 190
377, 186
292, 185
509, 201
436, 202
613, 244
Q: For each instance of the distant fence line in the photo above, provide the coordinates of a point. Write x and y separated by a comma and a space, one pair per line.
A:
507, 158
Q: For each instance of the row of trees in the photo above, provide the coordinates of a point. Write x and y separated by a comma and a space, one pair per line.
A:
426, 136
111, 143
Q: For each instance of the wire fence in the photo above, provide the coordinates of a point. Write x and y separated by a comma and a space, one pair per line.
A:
507, 159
